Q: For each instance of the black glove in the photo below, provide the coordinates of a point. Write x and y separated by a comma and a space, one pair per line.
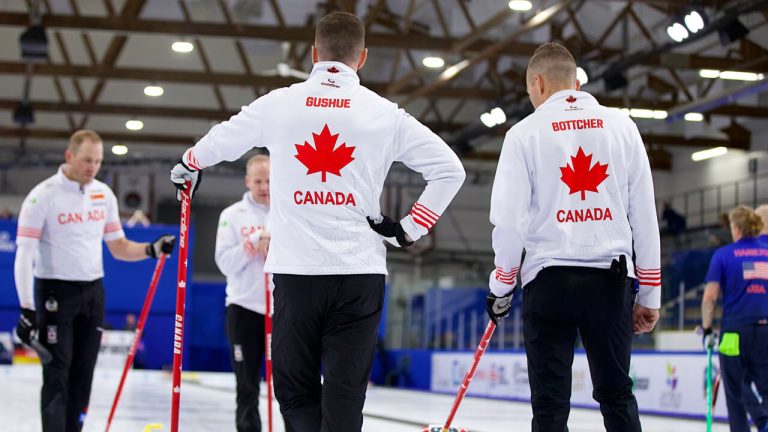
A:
27, 325
389, 228
498, 307
180, 174
162, 245
709, 338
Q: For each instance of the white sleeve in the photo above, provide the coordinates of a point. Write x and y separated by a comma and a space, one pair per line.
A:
645, 226
230, 139
30, 228
510, 205
423, 151
22, 273
230, 253
113, 229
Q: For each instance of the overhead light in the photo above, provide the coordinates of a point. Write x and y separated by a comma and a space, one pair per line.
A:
581, 75
433, 62
732, 32
153, 90
498, 115
134, 125
645, 113
731, 75
520, 5
741, 76
694, 117
34, 44
709, 73
708, 154
694, 21
182, 46
677, 32
487, 120
119, 150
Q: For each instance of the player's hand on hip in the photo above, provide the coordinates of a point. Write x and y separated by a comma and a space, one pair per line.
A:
644, 319
498, 307
27, 325
390, 229
181, 173
162, 245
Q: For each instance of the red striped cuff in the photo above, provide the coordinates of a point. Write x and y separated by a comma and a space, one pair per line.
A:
28, 232
112, 227
648, 277
191, 160
507, 277
424, 216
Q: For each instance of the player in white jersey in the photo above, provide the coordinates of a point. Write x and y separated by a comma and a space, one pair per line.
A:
331, 144
574, 189
242, 242
58, 272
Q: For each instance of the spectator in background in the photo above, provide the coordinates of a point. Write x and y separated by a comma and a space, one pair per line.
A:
130, 322
675, 221
762, 211
6, 214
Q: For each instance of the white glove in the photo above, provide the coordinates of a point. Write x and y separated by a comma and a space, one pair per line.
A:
181, 173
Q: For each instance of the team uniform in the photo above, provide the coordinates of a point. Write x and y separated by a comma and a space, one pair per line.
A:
331, 144
573, 189
245, 301
741, 269
65, 224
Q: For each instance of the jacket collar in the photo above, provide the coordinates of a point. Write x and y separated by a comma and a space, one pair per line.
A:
569, 97
68, 184
334, 70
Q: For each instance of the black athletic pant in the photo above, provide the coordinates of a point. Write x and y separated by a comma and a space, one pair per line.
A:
750, 365
330, 319
245, 332
557, 304
69, 317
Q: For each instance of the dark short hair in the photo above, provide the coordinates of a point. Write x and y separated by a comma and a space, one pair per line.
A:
339, 36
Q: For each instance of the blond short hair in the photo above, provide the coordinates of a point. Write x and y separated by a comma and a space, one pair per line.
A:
746, 220
77, 139
554, 62
260, 158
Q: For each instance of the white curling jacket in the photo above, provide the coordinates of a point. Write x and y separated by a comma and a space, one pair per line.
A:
331, 143
243, 221
574, 188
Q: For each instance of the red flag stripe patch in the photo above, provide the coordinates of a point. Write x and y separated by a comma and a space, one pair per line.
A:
192, 161
112, 227
506, 277
648, 277
423, 216
28, 232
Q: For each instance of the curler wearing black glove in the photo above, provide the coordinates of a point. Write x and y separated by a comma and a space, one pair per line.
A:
162, 245
498, 307
390, 229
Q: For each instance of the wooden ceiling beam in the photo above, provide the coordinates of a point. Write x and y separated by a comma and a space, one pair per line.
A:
163, 75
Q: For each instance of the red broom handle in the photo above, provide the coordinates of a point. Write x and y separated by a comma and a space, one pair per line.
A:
181, 292
268, 349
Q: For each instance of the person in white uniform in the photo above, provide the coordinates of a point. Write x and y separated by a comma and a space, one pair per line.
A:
242, 242
574, 189
58, 272
331, 143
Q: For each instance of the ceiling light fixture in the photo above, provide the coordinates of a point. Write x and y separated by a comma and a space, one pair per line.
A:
433, 62
581, 75
731, 75
694, 117
495, 117
119, 150
153, 90
677, 32
182, 46
520, 5
134, 125
694, 21
708, 154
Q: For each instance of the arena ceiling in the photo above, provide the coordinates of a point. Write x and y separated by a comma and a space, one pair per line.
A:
103, 53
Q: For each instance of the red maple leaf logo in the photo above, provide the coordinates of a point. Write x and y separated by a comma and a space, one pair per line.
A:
583, 177
571, 99
333, 69
323, 158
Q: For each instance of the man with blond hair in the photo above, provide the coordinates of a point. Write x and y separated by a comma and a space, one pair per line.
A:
242, 242
574, 189
58, 272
